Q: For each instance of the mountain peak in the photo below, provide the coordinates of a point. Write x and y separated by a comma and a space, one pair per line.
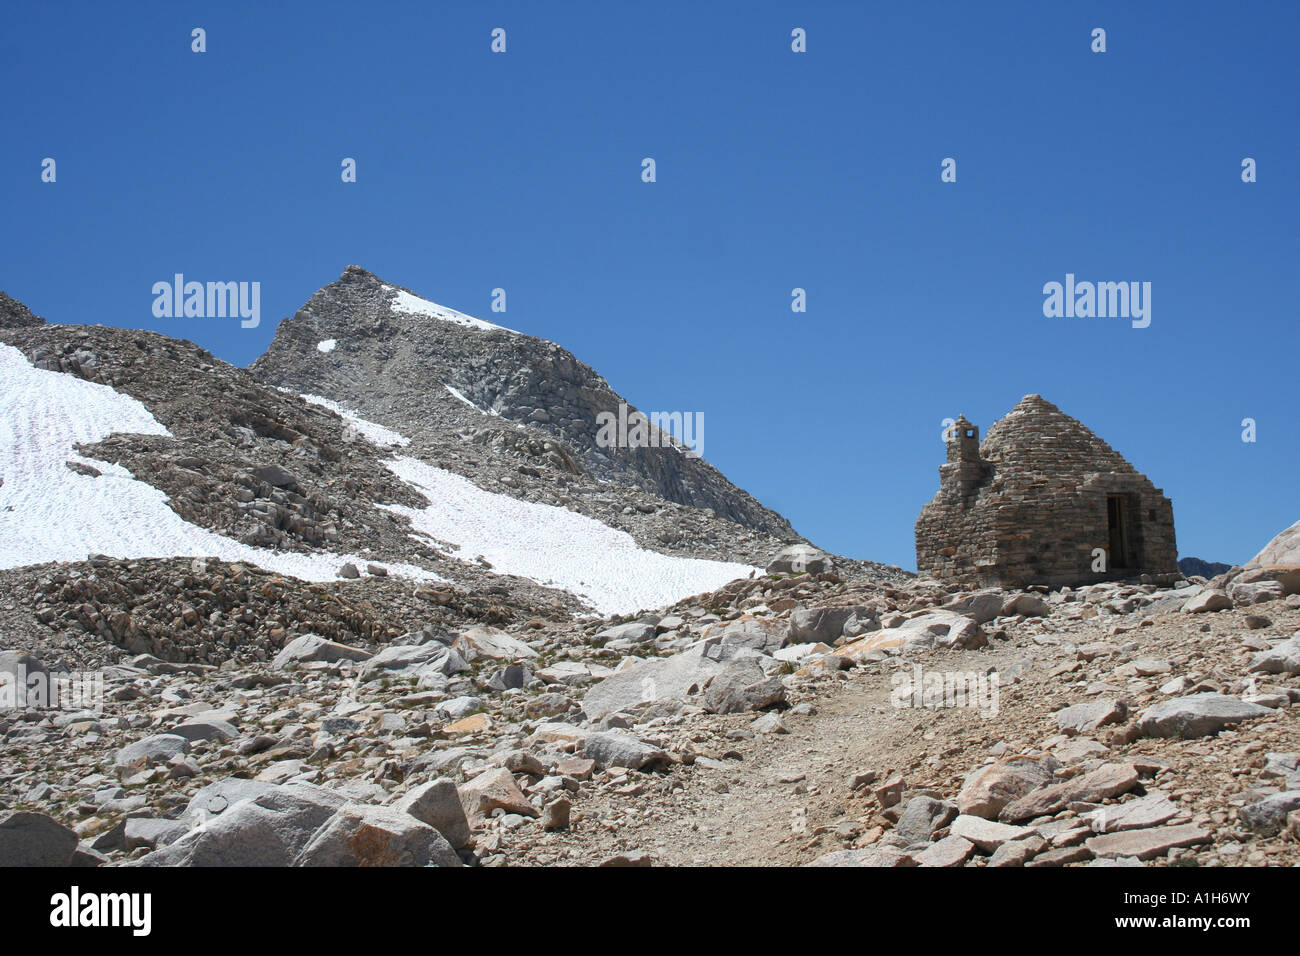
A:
420, 368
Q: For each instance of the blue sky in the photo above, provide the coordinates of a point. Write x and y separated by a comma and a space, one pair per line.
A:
775, 170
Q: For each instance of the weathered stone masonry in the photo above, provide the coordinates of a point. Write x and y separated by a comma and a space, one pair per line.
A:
1032, 502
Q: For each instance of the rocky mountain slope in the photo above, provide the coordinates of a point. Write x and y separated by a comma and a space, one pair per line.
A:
128, 453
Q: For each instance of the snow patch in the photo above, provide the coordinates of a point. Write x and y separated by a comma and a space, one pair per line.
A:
327, 346
404, 301
455, 393
458, 394
50, 513
554, 546
378, 434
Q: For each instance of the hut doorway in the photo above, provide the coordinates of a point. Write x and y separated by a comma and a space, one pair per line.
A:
1117, 528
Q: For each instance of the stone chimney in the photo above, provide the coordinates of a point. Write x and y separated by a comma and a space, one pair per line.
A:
965, 469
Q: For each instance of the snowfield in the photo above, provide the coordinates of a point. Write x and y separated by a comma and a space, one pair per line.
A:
554, 546
329, 345
403, 301
50, 513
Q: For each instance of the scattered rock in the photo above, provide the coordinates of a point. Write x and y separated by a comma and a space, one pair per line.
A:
493, 790
948, 852
623, 750
921, 816
1088, 716
1108, 780
1268, 817
1148, 843
989, 789
1211, 599
987, 835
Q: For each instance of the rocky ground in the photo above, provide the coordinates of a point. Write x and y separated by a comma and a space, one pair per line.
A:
767, 723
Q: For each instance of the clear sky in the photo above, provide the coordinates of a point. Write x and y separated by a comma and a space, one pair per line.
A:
775, 170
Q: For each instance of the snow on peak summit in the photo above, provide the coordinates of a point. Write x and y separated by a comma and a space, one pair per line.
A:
404, 301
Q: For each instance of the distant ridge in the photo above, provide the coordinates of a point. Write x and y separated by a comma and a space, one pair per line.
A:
1200, 568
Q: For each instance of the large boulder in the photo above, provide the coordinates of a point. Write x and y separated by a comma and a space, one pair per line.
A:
1268, 817
742, 685
1151, 810
35, 839
1108, 780
214, 799
1087, 716
761, 635
205, 728
920, 817
810, 625
275, 476
151, 832
1280, 559
937, 628
1246, 593
271, 829
679, 677
1196, 715
1147, 843
149, 751
613, 749
941, 628
412, 661
988, 789
493, 790
1028, 604
633, 632
981, 606
800, 559
1210, 599
367, 835
437, 803
477, 642
313, 647
1283, 658
987, 835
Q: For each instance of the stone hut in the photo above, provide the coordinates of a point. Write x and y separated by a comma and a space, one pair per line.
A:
1042, 500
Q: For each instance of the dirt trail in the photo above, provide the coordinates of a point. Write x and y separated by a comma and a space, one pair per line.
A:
785, 799
772, 785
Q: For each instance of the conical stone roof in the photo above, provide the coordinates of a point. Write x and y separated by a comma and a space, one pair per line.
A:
1037, 437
